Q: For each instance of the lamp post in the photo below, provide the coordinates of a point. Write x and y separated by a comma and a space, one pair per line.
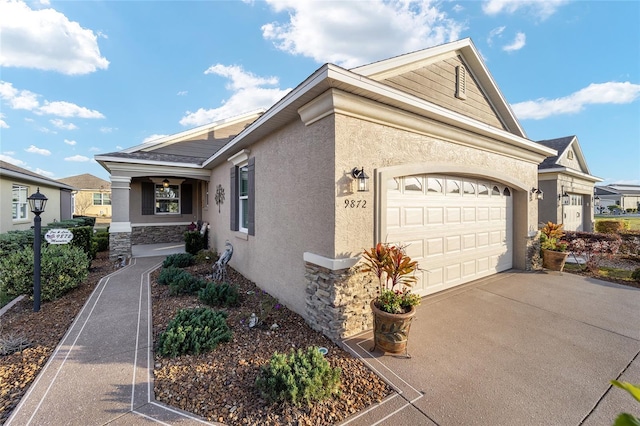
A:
37, 202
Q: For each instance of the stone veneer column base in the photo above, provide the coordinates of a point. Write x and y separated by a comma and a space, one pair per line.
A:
119, 245
338, 300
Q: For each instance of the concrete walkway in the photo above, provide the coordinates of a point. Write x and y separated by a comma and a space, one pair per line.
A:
101, 373
512, 349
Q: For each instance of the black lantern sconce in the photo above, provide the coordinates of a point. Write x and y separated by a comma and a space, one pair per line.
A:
37, 202
165, 183
564, 197
537, 194
362, 178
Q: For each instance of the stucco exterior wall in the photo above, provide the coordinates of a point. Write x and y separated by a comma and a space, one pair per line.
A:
52, 209
294, 209
554, 185
378, 147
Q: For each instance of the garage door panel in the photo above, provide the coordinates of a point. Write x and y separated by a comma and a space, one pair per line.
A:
455, 238
413, 216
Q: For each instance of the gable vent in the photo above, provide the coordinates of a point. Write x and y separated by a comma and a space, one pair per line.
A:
461, 82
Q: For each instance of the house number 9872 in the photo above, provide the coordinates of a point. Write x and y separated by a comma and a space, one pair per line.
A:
355, 204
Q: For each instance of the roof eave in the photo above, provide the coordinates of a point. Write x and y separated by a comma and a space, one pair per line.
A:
571, 172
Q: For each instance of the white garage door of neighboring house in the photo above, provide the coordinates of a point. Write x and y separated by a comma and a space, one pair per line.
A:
457, 229
572, 214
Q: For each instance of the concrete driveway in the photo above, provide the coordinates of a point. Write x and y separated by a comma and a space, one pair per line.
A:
513, 349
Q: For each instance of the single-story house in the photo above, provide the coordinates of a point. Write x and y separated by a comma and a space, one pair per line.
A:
16, 185
627, 197
567, 186
93, 196
452, 175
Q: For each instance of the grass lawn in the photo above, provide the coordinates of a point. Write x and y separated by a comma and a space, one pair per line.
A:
634, 222
604, 272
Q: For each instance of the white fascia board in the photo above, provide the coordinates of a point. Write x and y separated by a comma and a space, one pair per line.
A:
205, 128
314, 79
35, 179
570, 172
140, 169
113, 161
438, 113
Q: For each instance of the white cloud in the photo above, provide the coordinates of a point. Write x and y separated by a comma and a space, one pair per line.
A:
248, 95
182, 93
540, 8
458, 8
67, 109
70, 142
18, 99
11, 160
601, 93
78, 159
354, 33
46, 39
496, 32
44, 173
35, 150
517, 44
60, 124
94, 149
3, 124
152, 138
107, 129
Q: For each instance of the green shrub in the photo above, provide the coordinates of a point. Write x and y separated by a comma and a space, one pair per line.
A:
298, 377
14, 241
611, 226
194, 241
179, 260
186, 284
223, 294
207, 256
194, 331
168, 275
635, 275
62, 268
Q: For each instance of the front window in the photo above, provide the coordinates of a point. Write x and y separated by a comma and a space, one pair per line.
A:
243, 198
20, 203
101, 199
167, 199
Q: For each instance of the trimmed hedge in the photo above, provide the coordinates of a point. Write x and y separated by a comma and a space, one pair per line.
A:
63, 268
611, 226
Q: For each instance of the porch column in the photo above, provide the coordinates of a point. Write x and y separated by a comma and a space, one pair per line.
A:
120, 229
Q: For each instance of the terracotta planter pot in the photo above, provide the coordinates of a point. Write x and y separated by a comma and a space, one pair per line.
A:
554, 260
391, 331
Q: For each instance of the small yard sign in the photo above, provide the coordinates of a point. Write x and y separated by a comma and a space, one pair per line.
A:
58, 236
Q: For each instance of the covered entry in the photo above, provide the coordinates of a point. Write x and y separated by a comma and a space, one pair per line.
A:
459, 229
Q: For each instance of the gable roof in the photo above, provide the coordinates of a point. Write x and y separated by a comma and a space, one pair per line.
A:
333, 79
86, 181
11, 170
553, 164
618, 189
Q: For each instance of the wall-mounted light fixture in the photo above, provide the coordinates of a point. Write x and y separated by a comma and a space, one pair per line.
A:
363, 179
536, 194
564, 197
165, 183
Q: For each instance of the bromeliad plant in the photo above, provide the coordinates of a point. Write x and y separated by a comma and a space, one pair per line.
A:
396, 275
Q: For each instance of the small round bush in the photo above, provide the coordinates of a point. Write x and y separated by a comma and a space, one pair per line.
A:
194, 331
170, 274
223, 294
179, 260
298, 377
635, 275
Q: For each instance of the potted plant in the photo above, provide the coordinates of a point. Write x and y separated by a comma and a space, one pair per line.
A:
554, 248
395, 306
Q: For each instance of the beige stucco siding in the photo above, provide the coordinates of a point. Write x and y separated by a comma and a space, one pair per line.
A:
437, 83
380, 147
294, 209
52, 208
554, 185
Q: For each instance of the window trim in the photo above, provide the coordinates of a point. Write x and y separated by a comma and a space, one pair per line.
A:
177, 199
102, 198
25, 203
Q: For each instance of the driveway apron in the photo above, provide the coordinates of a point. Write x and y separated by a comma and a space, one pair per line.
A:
515, 348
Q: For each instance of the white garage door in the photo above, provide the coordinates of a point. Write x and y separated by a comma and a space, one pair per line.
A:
572, 214
457, 229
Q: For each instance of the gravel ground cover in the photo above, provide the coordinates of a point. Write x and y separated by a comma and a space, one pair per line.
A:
219, 385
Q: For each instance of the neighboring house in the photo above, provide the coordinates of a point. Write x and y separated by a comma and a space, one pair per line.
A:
93, 197
451, 172
625, 196
16, 185
567, 186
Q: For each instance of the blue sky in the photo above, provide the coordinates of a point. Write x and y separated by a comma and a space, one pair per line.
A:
81, 78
